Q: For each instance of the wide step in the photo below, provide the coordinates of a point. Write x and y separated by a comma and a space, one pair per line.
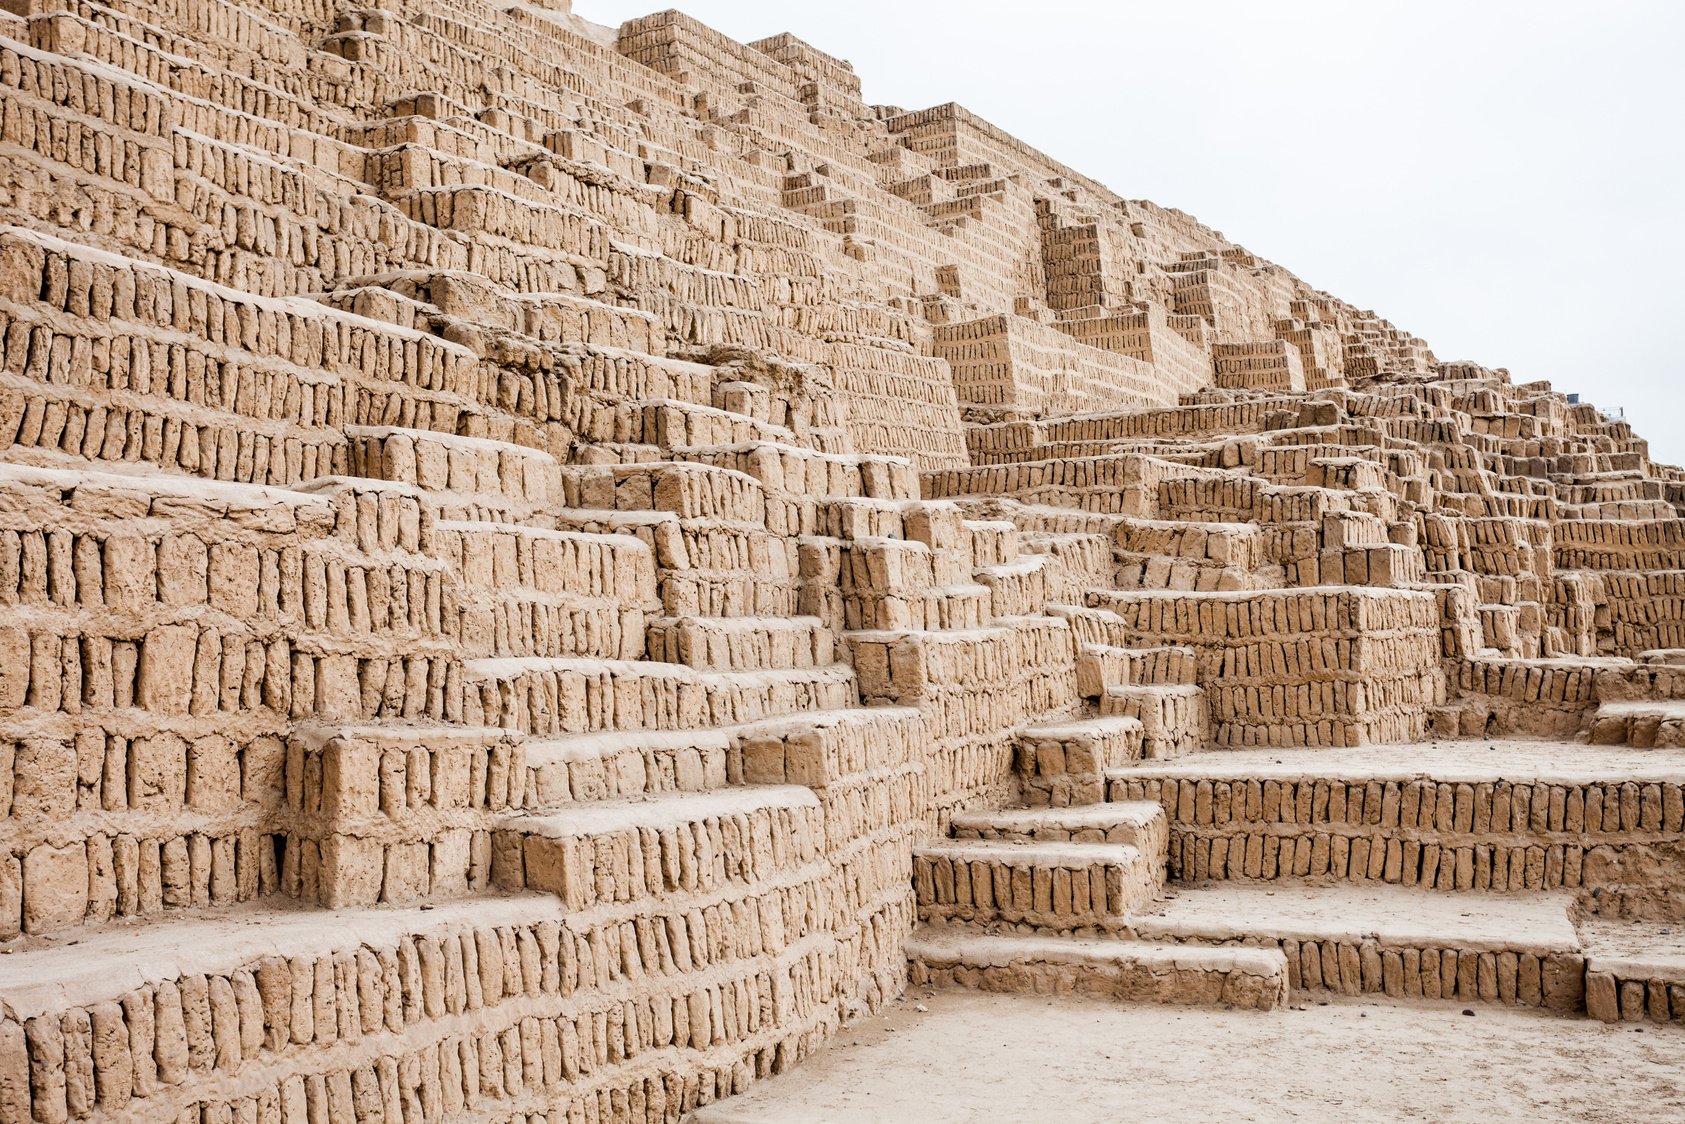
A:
1519, 950
742, 643
1131, 971
1065, 763
615, 765
1045, 887
470, 478
1635, 970
1648, 724
258, 990
573, 696
1459, 816
619, 853
1138, 823
1175, 717
1100, 666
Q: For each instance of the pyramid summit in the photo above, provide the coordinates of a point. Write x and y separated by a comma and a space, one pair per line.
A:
545, 569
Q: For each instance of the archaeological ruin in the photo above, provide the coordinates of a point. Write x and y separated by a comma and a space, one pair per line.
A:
546, 568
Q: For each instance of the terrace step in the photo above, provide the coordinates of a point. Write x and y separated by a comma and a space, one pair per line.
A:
91, 967
1017, 588
1506, 815
1130, 971
616, 854
742, 643
1065, 763
576, 696
1175, 718
1368, 940
1648, 723
620, 764
1635, 970
994, 542
1140, 824
531, 592
671, 423
1100, 666
1042, 887
470, 478
819, 747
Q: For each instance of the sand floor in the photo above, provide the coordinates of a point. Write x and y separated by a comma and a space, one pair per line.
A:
973, 1057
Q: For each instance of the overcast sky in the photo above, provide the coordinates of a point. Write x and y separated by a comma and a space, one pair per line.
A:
1505, 178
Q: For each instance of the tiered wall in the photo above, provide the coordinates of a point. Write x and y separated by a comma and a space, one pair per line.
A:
514, 532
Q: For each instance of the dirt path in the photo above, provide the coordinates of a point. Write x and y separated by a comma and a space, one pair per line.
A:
999, 1059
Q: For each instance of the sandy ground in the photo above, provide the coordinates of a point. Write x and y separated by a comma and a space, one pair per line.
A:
974, 1057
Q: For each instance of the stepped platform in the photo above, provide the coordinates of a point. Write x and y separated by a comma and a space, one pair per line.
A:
573, 695
593, 509
1386, 940
1065, 763
1546, 761
1132, 971
55, 974
1503, 815
1032, 887
742, 643
1635, 970
1140, 824
1654, 723
604, 766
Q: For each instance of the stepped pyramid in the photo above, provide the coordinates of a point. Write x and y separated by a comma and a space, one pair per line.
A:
545, 568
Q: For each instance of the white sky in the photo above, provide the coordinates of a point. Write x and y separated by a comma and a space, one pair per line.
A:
1505, 178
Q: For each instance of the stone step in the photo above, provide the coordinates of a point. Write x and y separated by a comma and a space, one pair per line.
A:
1100, 666
1079, 562
1140, 824
943, 608
820, 748
400, 376
860, 517
623, 764
1017, 588
708, 567
1500, 629
1042, 887
742, 643
814, 748
529, 591
714, 592
1175, 718
993, 542
672, 423
610, 378
885, 567
688, 490
1130, 971
467, 477
1355, 941
1155, 572
576, 696
1635, 970
234, 1007
1511, 815
619, 852
492, 556
783, 466
1633, 510
254, 989
1656, 723
1065, 763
